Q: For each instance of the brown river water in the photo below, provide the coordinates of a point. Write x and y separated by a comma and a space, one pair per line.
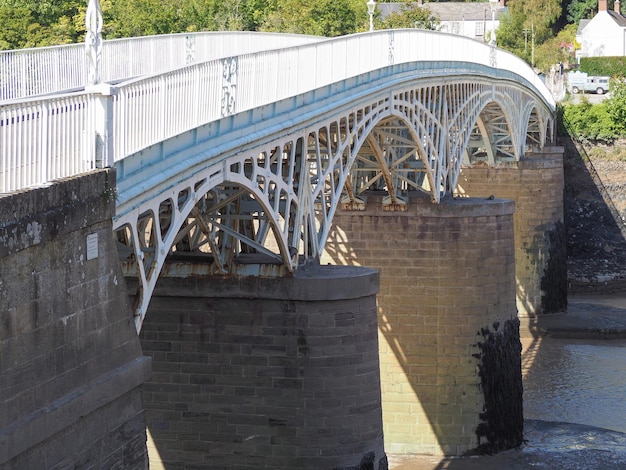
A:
575, 381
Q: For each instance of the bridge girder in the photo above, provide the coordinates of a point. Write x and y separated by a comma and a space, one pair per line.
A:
267, 209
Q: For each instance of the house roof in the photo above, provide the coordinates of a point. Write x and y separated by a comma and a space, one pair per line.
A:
449, 11
582, 25
618, 18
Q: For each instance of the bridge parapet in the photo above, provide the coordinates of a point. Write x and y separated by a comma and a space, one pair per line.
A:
152, 109
61, 69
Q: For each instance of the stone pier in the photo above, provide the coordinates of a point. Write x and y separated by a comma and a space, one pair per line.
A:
449, 336
536, 185
256, 373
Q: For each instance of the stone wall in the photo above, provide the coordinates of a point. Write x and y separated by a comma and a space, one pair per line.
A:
536, 185
447, 275
256, 373
71, 366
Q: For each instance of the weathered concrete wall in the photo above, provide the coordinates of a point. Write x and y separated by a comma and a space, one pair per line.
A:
447, 275
536, 186
256, 373
71, 366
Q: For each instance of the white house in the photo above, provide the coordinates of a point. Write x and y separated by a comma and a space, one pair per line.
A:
475, 20
604, 34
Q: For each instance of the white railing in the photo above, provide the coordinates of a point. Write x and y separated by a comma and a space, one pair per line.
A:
46, 139
38, 135
149, 110
46, 70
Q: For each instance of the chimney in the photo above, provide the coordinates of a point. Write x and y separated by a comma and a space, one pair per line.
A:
617, 7
603, 5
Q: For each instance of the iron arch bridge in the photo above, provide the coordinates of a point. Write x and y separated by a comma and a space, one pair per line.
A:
253, 191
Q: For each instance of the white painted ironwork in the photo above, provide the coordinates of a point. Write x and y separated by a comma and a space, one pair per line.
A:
150, 110
229, 86
93, 41
266, 208
58, 69
242, 161
266, 77
33, 151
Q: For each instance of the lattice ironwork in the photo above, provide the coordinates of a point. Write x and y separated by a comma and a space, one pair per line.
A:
267, 210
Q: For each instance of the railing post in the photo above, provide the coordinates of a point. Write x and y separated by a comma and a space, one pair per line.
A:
103, 96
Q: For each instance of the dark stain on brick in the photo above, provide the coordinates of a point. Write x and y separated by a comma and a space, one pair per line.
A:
554, 280
500, 371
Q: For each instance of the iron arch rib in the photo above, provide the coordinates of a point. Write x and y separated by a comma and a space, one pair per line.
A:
264, 205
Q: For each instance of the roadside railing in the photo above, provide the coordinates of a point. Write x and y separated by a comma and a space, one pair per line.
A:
51, 137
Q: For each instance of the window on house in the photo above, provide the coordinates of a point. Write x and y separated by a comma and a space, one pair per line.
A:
480, 28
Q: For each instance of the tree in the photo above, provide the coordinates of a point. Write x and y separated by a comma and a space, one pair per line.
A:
317, 17
411, 15
15, 24
333, 18
559, 49
581, 9
32, 23
527, 22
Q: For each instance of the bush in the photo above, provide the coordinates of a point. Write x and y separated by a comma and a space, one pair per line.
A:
590, 122
603, 122
605, 66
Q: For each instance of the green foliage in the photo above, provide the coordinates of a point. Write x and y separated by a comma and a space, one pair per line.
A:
317, 17
606, 66
30, 23
590, 122
616, 105
411, 15
557, 49
510, 36
527, 21
333, 18
602, 122
581, 9
15, 25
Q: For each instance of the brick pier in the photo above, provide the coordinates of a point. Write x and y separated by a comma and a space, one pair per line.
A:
536, 185
256, 373
447, 276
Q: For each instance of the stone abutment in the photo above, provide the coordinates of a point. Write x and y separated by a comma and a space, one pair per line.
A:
71, 366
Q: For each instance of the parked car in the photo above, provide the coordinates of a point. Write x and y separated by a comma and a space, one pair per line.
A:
581, 82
